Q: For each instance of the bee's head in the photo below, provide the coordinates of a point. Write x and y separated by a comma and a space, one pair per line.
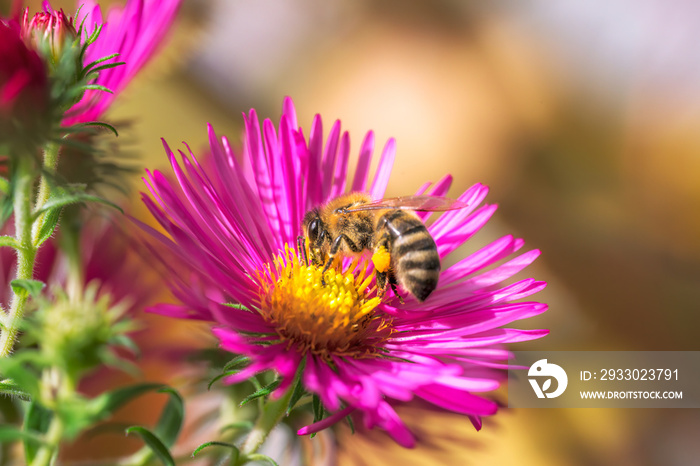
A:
314, 229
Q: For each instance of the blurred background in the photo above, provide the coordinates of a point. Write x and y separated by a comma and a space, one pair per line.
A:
582, 117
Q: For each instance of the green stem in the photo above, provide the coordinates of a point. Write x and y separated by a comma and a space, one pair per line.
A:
65, 390
26, 234
46, 453
270, 416
26, 253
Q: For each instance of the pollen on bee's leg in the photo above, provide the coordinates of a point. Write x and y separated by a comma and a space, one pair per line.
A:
327, 310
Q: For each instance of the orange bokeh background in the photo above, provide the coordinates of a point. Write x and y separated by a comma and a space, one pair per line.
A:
580, 119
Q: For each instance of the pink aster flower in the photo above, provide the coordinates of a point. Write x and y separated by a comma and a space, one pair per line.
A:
232, 225
134, 31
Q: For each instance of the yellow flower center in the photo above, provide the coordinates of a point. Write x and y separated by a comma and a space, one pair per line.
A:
335, 318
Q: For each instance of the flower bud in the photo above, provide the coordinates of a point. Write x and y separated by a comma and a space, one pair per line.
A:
49, 31
24, 88
77, 330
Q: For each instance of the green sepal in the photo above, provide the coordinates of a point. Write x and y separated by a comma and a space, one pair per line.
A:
106, 67
237, 306
261, 457
96, 87
89, 68
33, 287
264, 391
153, 443
217, 444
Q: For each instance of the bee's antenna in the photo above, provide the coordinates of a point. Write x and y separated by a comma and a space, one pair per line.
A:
301, 246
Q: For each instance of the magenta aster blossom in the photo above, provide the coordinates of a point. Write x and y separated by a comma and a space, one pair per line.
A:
134, 31
232, 225
24, 86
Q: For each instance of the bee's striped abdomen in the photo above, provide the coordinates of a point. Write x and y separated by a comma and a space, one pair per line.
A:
414, 257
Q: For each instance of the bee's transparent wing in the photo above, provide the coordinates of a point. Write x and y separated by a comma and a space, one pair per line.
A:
417, 203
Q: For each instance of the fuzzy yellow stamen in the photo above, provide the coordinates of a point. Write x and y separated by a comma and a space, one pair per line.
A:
337, 318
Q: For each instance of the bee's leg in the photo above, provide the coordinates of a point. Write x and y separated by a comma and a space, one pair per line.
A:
393, 283
381, 283
335, 247
382, 262
301, 246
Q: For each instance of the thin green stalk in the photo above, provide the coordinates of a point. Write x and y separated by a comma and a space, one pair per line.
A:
26, 254
47, 454
270, 416
26, 234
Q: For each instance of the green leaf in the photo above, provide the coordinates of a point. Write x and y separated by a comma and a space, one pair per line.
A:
24, 369
106, 403
170, 422
48, 225
36, 419
217, 444
318, 411
4, 186
6, 208
125, 342
350, 423
111, 359
261, 457
12, 434
100, 124
9, 387
33, 287
154, 443
237, 363
241, 425
8, 241
63, 200
266, 390
219, 377
299, 391
317, 408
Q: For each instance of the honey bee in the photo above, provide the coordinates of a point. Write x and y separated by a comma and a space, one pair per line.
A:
404, 252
